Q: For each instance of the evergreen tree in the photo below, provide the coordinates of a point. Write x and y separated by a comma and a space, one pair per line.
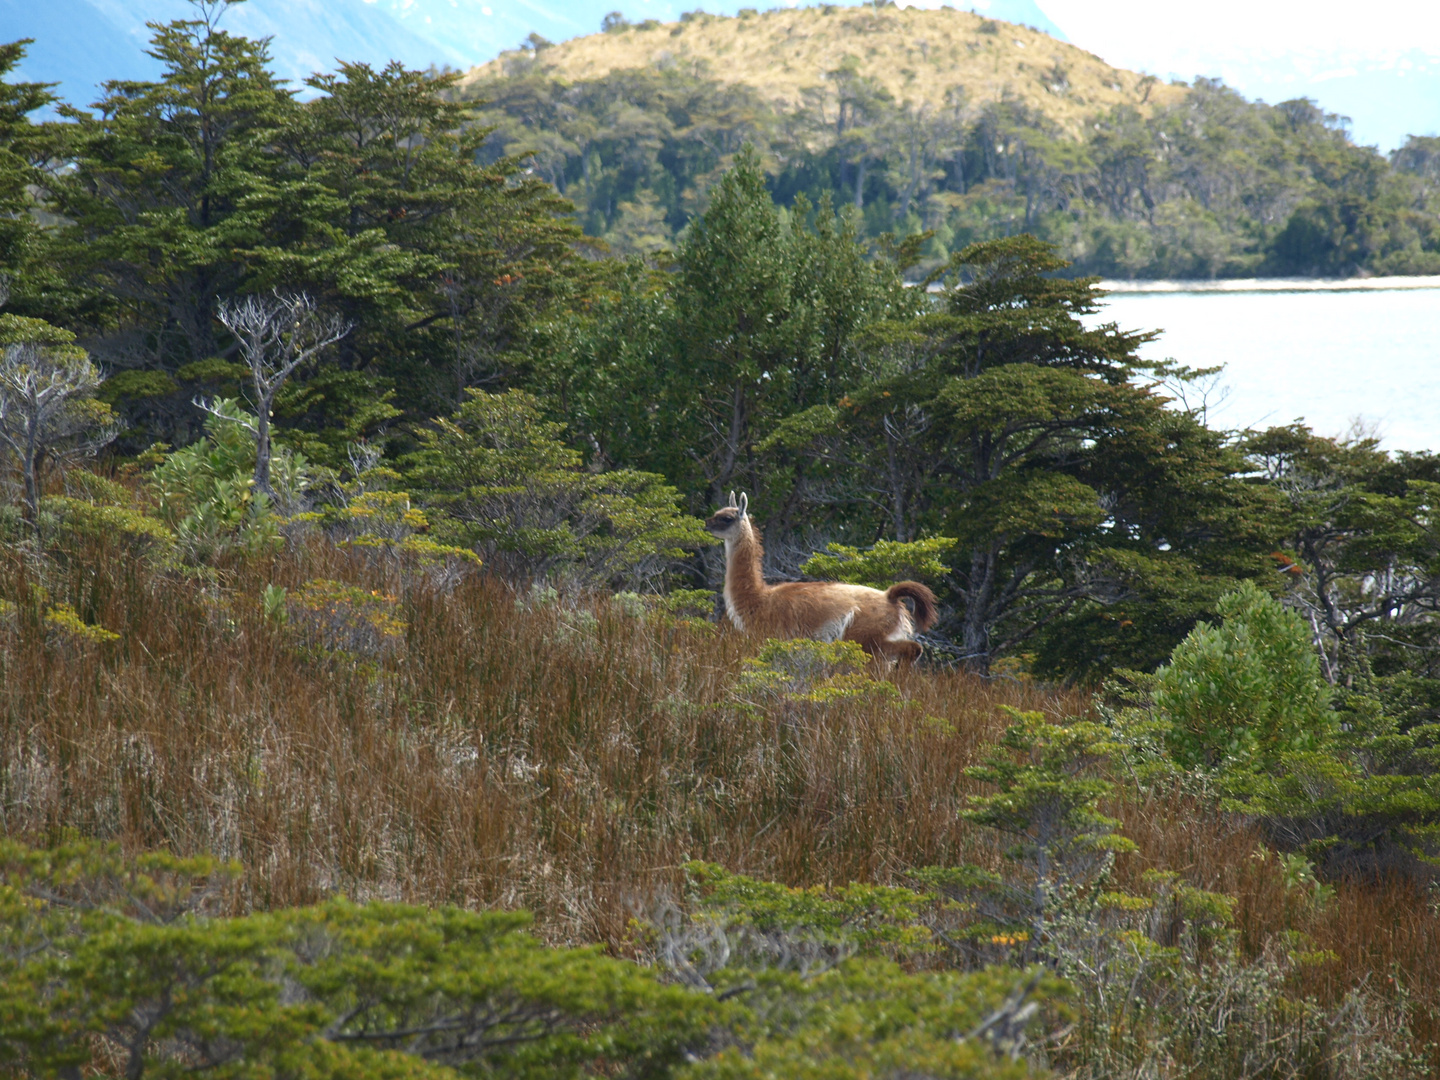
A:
684, 372
214, 181
442, 265
161, 172
1002, 421
24, 149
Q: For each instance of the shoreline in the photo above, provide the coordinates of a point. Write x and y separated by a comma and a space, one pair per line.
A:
1244, 285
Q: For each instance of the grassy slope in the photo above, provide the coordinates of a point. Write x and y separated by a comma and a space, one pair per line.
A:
565, 759
919, 56
546, 758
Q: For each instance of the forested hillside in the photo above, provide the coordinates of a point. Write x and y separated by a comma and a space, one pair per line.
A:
970, 129
366, 704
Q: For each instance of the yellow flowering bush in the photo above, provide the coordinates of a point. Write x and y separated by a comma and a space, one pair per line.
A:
333, 617
64, 624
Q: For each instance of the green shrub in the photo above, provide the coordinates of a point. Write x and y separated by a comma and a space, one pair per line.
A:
80, 518
384, 526
815, 972
49, 414
882, 564
1048, 796
1246, 692
335, 619
692, 606
214, 371
872, 918
1161, 984
110, 965
205, 491
108, 960
800, 675
65, 626
1370, 805
1059, 845
502, 482
136, 385
1366, 803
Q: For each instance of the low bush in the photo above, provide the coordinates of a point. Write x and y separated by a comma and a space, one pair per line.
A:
112, 966
121, 967
1242, 713
569, 753
1243, 694
205, 492
502, 482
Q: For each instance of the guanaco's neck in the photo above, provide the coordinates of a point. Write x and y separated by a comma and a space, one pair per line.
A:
745, 586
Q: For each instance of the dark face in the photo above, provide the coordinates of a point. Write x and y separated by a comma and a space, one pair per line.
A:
723, 523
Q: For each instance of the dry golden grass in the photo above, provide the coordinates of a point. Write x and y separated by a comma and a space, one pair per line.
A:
556, 759
919, 56
1377, 931
564, 759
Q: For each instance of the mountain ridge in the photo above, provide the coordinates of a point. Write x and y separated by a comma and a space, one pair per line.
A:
932, 58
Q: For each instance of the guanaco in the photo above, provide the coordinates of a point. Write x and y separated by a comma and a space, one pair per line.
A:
824, 610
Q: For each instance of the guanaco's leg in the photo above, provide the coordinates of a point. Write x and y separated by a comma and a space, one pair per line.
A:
907, 652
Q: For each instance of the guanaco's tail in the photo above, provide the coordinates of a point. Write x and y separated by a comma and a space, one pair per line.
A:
923, 598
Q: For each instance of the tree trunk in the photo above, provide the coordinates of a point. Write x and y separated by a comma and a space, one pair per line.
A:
914, 183
262, 449
27, 466
732, 443
975, 630
898, 509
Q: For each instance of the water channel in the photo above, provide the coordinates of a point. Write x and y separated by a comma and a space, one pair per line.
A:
1333, 357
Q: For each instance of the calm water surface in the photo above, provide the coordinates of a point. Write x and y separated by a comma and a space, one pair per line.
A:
1329, 358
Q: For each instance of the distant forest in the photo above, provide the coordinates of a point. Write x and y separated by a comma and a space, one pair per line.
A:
1215, 186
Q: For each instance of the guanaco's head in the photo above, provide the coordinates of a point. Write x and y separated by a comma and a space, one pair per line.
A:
727, 522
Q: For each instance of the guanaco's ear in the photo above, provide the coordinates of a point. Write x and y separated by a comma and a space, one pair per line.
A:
744, 503
732, 500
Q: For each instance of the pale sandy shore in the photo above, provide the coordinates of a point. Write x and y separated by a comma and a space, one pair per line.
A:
1229, 285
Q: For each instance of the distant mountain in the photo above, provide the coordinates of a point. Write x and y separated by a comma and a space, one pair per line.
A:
80, 43
924, 57
480, 29
1390, 94
959, 125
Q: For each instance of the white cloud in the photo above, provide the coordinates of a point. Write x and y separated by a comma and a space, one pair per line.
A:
1378, 63
1186, 39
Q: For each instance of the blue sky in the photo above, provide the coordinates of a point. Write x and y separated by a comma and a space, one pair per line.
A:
1379, 65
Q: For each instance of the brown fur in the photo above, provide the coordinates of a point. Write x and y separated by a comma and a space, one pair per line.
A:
826, 610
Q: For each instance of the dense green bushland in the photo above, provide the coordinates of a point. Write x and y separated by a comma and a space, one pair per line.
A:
1212, 186
169, 197
126, 967
347, 706
113, 965
1021, 916
439, 632
1090, 521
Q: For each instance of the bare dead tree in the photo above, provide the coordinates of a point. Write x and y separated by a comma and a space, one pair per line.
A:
276, 334
46, 410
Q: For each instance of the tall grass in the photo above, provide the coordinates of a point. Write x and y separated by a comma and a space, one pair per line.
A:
564, 757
